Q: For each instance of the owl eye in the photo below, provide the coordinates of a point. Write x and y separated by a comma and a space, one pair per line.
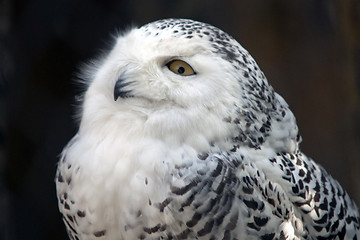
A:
180, 67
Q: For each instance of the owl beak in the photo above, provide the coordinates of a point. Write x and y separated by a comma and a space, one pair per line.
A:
120, 89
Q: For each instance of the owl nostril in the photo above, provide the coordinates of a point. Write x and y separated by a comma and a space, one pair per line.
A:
120, 89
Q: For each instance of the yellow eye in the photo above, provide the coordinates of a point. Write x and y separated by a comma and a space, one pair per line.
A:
180, 67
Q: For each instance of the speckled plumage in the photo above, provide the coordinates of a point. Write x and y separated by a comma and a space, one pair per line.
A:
212, 155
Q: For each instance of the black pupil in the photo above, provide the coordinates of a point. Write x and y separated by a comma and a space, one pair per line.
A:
181, 70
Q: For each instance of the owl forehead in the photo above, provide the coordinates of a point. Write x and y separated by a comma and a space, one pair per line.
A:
185, 28
192, 32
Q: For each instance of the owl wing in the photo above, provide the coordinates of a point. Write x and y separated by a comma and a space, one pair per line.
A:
223, 196
326, 210
285, 197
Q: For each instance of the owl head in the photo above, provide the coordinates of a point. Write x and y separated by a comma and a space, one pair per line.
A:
184, 81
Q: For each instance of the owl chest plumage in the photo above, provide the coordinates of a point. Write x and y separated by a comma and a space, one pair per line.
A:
173, 193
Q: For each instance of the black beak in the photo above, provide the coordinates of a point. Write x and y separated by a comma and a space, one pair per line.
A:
120, 89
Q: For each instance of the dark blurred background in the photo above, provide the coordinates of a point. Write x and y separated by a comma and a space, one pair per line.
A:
309, 51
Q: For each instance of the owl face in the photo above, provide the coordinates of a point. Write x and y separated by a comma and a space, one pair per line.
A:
176, 82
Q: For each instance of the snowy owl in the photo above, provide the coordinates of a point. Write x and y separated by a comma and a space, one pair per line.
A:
182, 137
